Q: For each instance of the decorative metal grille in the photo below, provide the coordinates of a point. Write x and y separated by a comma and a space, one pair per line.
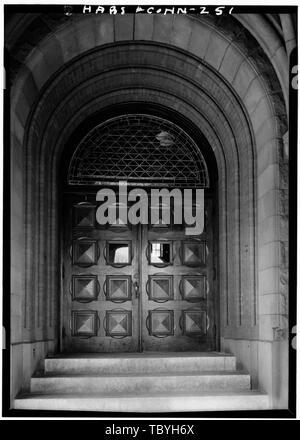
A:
140, 149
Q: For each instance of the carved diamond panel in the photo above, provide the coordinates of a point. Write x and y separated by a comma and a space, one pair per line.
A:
118, 323
84, 288
84, 215
84, 322
161, 322
118, 288
161, 217
84, 252
194, 253
161, 288
120, 223
193, 288
194, 322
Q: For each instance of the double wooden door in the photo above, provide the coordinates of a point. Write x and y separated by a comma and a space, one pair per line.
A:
135, 288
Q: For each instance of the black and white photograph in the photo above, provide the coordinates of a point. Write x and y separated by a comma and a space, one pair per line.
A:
149, 211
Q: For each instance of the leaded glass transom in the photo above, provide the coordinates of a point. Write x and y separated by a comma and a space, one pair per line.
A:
141, 149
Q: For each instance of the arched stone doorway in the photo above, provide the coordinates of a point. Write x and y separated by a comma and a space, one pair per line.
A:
163, 299
209, 104
219, 75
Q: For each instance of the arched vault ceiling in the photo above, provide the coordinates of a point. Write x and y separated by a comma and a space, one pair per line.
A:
49, 46
261, 32
17, 25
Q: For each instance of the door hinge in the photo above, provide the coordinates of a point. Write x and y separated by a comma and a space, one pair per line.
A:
63, 271
63, 332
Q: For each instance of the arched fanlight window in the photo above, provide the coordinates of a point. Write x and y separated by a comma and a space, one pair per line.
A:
141, 149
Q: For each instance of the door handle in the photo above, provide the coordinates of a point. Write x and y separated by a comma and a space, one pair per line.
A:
136, 289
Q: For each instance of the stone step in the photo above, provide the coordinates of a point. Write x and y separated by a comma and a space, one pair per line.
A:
213, 401
141, 383
140, 363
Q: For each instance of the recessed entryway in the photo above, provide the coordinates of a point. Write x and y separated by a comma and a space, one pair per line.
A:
141, 287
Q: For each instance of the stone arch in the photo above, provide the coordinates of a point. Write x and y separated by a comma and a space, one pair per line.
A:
211, 74
225, 131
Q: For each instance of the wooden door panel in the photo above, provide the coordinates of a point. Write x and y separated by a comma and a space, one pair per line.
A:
100, 310
139, 288
177, 289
